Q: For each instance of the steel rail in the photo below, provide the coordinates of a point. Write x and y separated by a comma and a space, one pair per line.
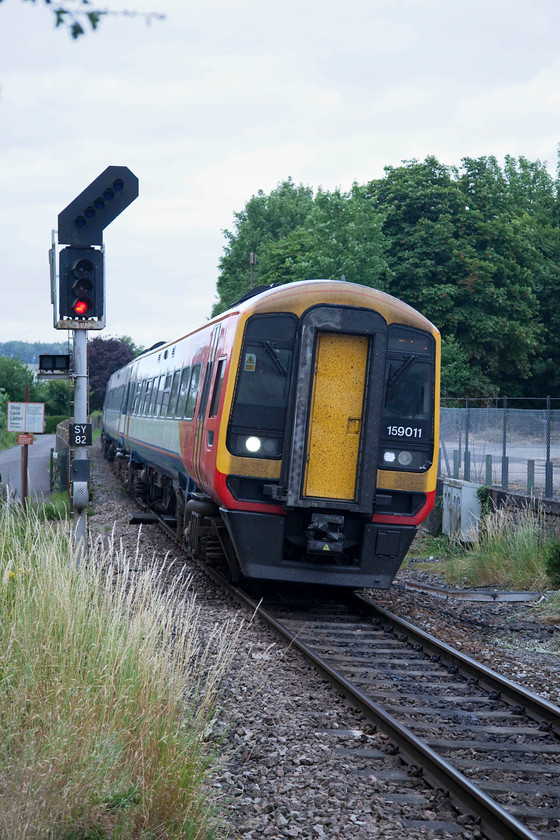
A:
495, 822
536, 707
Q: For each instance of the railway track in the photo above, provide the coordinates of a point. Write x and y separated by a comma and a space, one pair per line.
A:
489, 744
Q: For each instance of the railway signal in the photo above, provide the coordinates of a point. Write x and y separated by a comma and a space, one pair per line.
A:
81, 290
80, 302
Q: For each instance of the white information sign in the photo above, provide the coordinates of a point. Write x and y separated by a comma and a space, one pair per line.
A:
26, 417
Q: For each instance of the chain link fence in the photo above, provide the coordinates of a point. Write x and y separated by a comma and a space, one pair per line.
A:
495, 443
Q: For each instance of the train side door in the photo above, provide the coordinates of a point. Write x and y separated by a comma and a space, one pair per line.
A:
199, 448
124, 414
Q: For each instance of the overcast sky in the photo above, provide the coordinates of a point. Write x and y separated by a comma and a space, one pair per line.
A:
224, 98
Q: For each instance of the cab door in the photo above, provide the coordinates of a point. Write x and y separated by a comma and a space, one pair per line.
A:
336, 409
336, 416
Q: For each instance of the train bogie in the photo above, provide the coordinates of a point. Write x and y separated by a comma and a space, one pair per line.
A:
295, 434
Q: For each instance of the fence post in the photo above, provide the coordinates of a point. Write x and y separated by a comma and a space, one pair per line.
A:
530, 478
467, 472
456, 463
548, 465
505, 463
489, 470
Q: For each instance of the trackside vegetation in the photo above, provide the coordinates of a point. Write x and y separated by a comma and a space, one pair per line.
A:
514, 549
108, 696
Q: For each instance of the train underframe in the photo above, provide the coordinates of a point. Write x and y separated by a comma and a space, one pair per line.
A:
319, 546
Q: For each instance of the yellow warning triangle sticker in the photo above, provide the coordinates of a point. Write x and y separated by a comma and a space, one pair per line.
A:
326, 547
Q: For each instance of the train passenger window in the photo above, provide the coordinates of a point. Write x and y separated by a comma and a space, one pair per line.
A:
147, 396
155, 393
159, 396
166, 395
193, 392
173, 394
137, 386
217, 388
183, 392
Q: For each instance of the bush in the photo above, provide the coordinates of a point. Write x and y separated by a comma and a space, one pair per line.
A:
52, 421
552, 563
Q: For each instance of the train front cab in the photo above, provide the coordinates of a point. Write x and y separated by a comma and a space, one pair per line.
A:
351, 413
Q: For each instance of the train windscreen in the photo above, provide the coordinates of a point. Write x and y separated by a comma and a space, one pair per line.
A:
258, 416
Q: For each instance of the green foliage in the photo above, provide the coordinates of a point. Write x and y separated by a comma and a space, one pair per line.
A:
57, 395
483, 496
298, 237
52, 421
7, 439
29, 352
475, 248
510, 552
15, 377
552, 563
265, 219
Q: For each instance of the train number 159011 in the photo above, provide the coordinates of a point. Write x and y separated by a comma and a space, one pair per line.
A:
404, 431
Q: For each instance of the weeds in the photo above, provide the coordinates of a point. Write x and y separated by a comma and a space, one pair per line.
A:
510, 551
107, 694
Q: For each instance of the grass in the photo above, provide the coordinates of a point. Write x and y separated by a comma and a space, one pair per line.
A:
7, 439
511, 551
107, 694
56, 506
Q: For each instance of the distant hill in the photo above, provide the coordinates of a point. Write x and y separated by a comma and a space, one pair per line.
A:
29, 352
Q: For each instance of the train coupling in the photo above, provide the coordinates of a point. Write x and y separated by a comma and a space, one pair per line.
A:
325, 533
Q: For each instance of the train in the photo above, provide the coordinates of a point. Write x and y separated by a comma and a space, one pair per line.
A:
293, 438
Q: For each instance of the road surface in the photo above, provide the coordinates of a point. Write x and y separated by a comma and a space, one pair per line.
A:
37, 467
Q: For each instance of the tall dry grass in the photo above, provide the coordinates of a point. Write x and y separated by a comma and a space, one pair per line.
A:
510, 551
106, 694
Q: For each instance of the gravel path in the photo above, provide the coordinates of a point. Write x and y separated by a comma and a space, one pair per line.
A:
298, 761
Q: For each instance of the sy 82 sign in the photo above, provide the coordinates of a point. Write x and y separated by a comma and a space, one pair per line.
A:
80, 434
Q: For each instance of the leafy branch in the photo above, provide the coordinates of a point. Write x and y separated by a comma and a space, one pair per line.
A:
76, 20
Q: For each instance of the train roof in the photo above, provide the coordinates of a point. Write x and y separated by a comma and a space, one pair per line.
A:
296, 297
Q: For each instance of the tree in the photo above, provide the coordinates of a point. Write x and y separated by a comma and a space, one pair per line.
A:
341, 237
15, 377
463, 253
264, 220
74, 19
105, 355
29, 352
57, 396
298, 237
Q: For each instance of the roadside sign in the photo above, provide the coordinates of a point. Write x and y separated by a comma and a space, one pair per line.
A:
26, 417
25, 440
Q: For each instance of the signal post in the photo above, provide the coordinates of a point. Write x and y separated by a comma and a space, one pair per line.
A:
80, 304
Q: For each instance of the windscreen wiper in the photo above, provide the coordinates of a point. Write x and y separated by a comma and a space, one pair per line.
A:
274, 357
408, 361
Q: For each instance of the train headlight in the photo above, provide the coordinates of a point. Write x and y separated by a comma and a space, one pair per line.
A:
415, 460
405, 458
254, 446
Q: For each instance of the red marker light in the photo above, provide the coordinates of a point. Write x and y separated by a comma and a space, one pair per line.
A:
81, 307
